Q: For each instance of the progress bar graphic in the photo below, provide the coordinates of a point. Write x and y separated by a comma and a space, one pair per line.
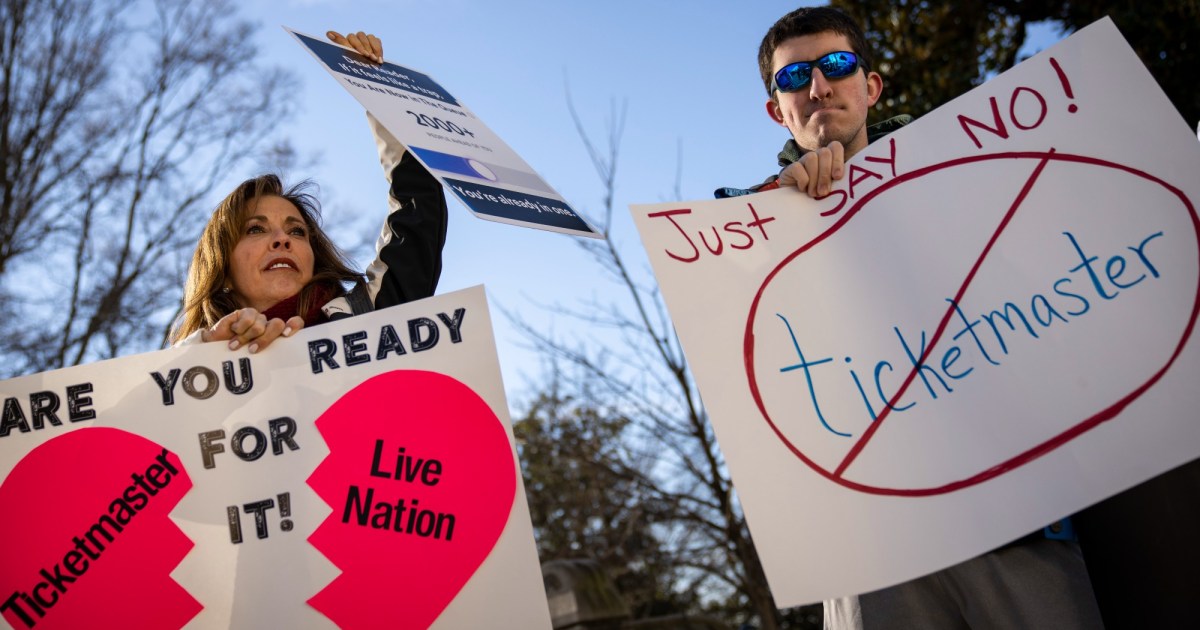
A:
470, 167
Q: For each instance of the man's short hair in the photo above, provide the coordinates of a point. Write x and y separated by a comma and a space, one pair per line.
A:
811, 21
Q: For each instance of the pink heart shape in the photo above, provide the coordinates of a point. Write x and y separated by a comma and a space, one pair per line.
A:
87, 541
988, 469
409, 527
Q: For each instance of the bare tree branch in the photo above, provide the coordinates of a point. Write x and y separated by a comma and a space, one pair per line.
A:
116, 125
644, 377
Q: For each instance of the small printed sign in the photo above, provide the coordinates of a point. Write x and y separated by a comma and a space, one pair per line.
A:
482, 171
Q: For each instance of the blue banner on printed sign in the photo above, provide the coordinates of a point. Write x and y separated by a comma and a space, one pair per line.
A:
352, 64
495, 173
515, 206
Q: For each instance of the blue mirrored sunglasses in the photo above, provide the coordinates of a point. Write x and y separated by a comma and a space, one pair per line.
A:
835, 65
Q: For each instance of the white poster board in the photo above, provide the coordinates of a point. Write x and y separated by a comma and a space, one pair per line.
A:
359, 474
482, 171
986, 326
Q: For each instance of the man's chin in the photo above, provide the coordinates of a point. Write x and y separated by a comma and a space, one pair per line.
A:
827, 136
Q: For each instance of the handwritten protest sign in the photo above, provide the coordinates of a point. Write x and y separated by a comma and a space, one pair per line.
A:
360, 474
985, 327
491, 180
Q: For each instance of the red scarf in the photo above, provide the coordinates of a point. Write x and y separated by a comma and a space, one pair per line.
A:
290, 307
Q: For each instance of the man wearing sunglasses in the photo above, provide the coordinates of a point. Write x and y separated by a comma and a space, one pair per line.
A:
816, 66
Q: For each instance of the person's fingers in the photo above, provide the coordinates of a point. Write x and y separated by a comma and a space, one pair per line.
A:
364, 44
255, 331
222, 330
247, 326
824, 167
275, 329
336, 38
794, 175
839, 159
294, 324
271, 331
376, 47
244, 321
251, 328
811, 165
785, 177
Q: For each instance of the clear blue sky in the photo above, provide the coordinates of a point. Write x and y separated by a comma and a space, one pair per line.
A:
686, 70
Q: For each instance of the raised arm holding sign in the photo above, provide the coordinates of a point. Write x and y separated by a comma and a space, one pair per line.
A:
265, 268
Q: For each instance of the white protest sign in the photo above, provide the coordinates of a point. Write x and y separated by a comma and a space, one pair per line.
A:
359, 474
987, 325
456, 146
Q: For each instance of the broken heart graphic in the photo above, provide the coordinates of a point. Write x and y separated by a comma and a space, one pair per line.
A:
86, 538
421, 478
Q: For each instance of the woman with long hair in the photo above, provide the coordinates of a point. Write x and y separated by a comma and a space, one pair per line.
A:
264, 268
